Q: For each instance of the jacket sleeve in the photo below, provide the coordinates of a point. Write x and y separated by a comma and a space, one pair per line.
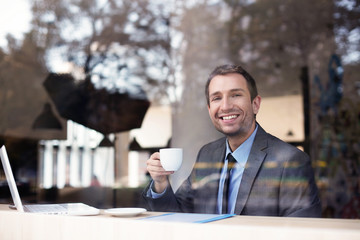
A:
181, 201
298, 190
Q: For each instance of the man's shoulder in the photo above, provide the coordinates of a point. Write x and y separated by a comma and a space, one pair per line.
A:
219, 143
212, 150
276, 145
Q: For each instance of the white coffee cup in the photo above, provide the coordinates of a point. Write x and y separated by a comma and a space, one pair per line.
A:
171, 158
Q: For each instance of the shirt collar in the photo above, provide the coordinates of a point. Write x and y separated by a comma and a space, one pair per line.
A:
241, 154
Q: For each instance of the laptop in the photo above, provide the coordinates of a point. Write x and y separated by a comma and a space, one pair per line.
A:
76, 209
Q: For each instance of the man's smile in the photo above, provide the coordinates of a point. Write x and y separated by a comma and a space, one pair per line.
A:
228, 117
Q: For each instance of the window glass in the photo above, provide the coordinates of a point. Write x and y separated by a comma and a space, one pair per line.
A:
90, 89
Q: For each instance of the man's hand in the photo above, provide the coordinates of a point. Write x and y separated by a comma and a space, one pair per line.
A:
158, 173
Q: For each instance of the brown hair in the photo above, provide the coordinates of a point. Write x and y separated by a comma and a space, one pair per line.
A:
227, 69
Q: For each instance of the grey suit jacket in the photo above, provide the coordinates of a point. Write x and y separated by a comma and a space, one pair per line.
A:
278, 180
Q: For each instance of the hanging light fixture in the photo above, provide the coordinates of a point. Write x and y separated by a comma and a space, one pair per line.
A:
290, 133
47, 119
106, 142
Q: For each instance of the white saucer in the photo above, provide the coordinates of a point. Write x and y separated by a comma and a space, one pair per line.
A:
124, 212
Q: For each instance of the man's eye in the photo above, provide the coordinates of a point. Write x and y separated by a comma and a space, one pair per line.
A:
215, 99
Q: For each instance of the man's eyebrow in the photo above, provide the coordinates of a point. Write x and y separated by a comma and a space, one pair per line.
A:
237, 90
214, 93
231, 90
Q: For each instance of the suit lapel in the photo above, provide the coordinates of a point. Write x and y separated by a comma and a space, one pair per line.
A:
219, 153
254, 162
210, 166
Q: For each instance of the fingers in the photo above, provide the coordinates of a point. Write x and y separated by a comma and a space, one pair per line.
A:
157, 172
155, 168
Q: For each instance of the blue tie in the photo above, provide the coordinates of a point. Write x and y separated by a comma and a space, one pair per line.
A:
231, 164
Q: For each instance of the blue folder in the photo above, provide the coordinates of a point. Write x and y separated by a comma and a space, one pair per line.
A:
188, 217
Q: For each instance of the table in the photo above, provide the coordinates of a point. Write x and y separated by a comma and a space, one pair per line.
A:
15, 225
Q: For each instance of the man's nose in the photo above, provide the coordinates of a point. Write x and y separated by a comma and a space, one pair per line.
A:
226, 103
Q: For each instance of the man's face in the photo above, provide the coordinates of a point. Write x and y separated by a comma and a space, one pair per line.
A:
230, 107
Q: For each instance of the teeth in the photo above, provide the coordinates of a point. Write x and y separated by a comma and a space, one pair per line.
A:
229, 117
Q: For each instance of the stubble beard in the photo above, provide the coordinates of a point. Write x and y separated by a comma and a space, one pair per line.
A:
242, 131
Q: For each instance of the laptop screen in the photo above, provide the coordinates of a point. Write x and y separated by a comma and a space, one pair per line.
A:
10, 179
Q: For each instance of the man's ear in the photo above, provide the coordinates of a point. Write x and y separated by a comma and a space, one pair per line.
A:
256, 104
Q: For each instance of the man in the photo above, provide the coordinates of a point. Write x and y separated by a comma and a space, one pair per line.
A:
268, 176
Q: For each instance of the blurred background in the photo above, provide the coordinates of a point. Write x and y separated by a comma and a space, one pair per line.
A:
90, 88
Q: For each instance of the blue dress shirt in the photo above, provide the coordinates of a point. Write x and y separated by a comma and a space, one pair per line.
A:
241, 155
